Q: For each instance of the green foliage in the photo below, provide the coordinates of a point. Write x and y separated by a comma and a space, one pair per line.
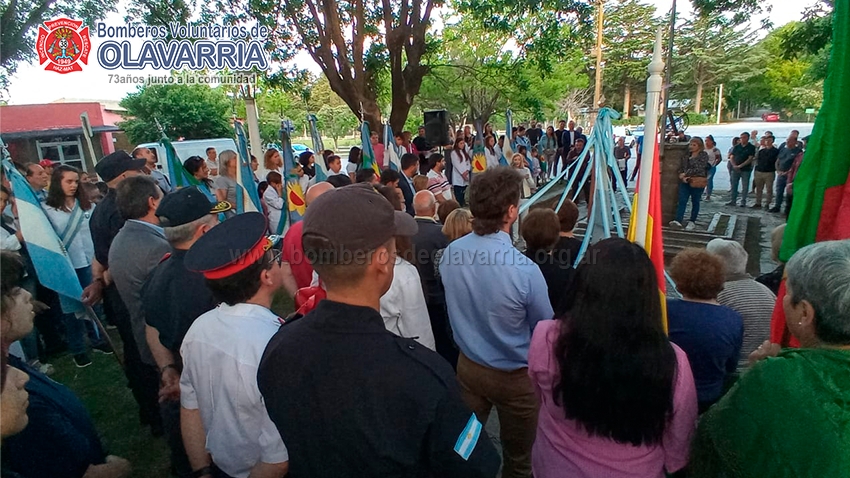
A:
543, 30
629, 34
738, 11
336, 121
184, 111
19, 21
711, 50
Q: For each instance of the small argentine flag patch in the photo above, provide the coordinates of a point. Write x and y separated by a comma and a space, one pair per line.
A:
468, 438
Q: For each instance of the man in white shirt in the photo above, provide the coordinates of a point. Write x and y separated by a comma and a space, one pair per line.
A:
212, 162
225, 424
334, 165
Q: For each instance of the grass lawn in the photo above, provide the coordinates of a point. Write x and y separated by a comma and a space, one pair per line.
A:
103, 389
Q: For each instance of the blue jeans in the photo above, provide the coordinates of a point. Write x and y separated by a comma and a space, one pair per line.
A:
460, 195
781, 183
710, 188
737, 177
687, 192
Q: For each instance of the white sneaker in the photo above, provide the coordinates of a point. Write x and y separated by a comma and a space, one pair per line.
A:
676, 224
691, 226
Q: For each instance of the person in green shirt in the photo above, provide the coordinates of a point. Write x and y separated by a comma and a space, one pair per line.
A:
789, 415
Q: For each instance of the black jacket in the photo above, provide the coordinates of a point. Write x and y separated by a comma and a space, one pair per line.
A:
427, 241
351, 399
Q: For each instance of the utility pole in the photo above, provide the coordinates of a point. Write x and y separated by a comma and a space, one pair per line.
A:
719, 103
597, 91
668, 79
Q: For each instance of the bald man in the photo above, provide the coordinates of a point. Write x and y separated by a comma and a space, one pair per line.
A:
425, 205
297, 271
427, 241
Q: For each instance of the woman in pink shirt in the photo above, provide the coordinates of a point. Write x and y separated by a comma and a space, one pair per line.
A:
617, 398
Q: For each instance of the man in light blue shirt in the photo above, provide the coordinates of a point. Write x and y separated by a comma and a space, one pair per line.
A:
495, 296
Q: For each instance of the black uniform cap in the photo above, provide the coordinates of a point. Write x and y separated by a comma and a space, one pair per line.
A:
187, 205
115, 164
230, 247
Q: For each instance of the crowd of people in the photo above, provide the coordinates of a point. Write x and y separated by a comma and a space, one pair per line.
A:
751, 160
416, 317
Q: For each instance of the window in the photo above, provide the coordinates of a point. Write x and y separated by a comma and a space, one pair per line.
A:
64, 149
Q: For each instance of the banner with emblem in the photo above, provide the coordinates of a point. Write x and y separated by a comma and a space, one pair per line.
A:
479, 160
367, 150
294, 200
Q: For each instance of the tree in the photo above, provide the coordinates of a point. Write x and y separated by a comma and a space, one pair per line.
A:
629, 32
711, 50
19, 21
184, 111
811, 37
336, 122
352, 41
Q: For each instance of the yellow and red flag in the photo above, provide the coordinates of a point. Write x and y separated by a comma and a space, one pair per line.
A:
295, 198
653, 244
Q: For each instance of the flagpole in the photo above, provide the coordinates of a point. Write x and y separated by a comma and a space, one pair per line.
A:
650, 140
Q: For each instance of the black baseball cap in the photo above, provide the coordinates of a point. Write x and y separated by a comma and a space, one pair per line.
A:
115, 164
356, 218
230, 247
187, 205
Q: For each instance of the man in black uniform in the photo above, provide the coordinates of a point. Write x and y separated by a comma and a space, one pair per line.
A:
348, 397
173, 298
105, 223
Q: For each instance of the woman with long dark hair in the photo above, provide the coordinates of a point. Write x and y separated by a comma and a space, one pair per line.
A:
197, 167
355, 157
617, 398
69, 209
461, 167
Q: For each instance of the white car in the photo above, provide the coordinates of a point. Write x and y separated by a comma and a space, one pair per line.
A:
626, 133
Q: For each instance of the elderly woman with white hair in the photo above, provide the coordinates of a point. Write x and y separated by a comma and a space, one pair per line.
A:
789, 415
741, 293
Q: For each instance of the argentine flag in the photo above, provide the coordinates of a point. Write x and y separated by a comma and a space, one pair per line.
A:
48, 254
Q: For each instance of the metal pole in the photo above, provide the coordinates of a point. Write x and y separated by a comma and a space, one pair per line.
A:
719, 103
653, 96
668, 78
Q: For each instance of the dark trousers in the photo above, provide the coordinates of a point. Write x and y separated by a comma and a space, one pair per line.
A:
780, 184
51, 321
170, 411
143, 379
460, 196
442, 332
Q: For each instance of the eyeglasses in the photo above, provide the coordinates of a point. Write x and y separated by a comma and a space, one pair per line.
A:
277, 256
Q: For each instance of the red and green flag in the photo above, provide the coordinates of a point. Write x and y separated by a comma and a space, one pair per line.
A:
821, 210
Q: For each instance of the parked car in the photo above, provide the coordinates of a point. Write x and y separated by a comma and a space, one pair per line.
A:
770, 117
185, 149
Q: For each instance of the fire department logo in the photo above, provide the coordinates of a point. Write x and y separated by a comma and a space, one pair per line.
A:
62, 46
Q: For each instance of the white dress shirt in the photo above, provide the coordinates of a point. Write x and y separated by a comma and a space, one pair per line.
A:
460, 165
274, 205
403, 306
494, 158
81, 250
221, 353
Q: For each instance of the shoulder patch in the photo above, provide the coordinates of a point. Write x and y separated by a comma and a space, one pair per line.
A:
468, 438
166, 256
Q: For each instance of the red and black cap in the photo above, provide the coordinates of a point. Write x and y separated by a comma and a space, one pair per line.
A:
230, 247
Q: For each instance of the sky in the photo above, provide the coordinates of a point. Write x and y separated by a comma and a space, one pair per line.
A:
31, 84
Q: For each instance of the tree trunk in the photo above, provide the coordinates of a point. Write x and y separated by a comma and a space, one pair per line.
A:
698, 105
627, 100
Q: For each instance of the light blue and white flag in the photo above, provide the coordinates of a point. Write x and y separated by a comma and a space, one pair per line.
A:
318, 149
390, 152
46, 250
247, 196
